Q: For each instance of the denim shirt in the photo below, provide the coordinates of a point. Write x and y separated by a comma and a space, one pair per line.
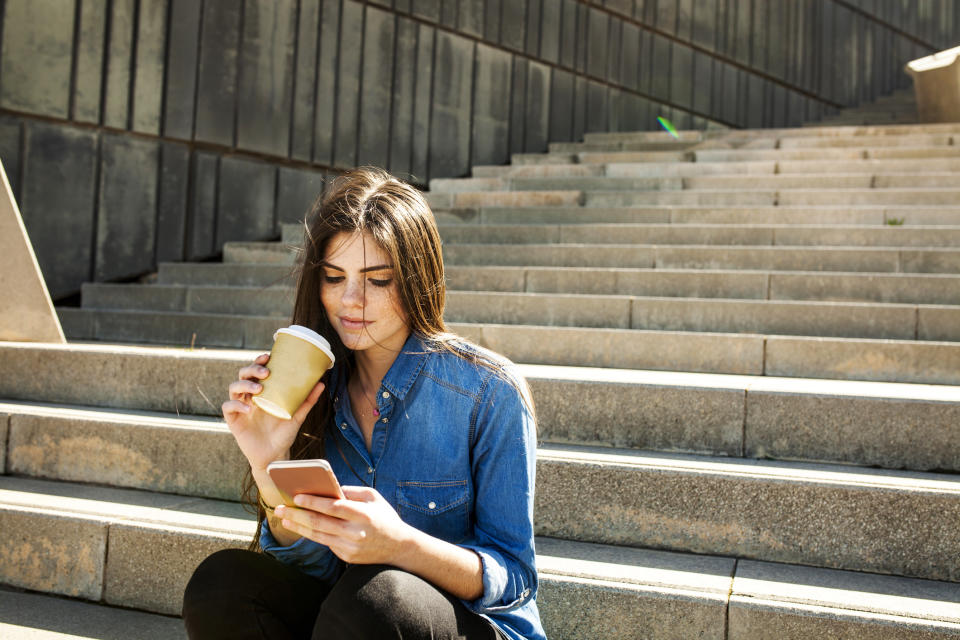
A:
454, 452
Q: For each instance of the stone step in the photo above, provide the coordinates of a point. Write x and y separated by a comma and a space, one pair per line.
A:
32, 616
553, 198
788, 141
885, 360
805, 318
816, 132
649, 214
912, 139
705, 234
771, 258
770, 197
702, 182
133, 431
216, 273
681, 283
619, 588
780, 155
694, 169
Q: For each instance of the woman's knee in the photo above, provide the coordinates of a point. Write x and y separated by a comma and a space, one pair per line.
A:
372, 592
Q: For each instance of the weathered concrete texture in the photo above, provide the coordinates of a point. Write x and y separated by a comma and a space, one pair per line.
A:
297, 191
173, 201
890, 433
305, 80
778, 258
639, 416
54, 553
625, 349
880, 360
35, 617
156, 453
149, 64
484, 278
648, 282
4, 434
88, 77
203, 206
754, 619
182, 329
265, 88
419, 164
11, 135
404, 100
930, 260
149, 565
258, 252
886, 522
60, 221
348, 84
122, 377
539, 309
573, 608
491, 107
217, 83
376, 92
36, 54
449, 127
938, 323
116, 95
550, 255
245, 205
181, 65
223, 274
126, 221
325, 105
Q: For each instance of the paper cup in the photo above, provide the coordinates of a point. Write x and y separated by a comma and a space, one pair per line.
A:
300, 357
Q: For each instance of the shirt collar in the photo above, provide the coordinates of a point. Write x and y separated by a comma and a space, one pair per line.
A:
402, 373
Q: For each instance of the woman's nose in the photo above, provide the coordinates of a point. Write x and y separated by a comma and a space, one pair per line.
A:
353, 294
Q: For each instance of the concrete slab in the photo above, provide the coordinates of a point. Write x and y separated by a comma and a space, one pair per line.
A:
539, 309
687, 198
212, 273
30, 616
893, 287
550, 255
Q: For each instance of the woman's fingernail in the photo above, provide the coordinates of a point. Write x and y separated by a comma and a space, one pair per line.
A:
299, 500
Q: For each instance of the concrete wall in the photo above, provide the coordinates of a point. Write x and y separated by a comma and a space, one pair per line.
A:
139, 131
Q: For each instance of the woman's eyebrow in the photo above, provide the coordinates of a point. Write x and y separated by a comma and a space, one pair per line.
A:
379, 267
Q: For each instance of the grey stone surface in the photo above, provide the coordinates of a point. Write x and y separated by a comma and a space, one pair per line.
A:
325, 105
297, 190
4, 436
120, 296
777, 258
225, 274
888, 433
127, 208
202, 205
376, 91
265, 87
308, 25
547, 255
148, 77
426, 41
903, 288
881, 522
938, 323
217, 72
538, 309
119, 52
245, 202
11, 135
491, 107
347, 94
247, 301
642, 416
181, 65
53, 553
623, 349
405, 81
88, 77
60, 221
149, 565
152, 452
39, 617
880, 360
35, 57
173, 203
930, 260
449, 128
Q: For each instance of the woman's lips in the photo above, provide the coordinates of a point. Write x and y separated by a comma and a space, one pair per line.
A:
351, 323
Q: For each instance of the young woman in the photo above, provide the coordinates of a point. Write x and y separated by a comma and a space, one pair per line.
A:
433, 438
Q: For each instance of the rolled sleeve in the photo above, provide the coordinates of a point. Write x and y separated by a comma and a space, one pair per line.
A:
504, 468
312, 558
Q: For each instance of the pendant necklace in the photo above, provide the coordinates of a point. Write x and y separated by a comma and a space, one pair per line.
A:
363, 391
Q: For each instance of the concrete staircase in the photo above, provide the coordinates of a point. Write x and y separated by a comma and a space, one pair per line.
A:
900, 107
744, 347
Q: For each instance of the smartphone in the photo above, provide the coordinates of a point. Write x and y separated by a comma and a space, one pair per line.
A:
304, 476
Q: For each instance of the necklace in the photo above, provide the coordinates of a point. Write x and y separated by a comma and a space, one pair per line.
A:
363, 392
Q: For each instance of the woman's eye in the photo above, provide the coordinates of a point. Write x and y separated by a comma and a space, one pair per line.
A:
333, 279
380, 283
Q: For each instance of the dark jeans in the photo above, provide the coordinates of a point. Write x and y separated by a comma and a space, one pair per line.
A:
240, 594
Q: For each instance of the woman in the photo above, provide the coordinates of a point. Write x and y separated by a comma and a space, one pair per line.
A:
433, 438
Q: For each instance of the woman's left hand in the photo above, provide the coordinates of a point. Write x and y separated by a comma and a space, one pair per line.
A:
363, 529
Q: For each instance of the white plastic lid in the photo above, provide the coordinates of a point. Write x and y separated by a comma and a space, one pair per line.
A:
310, 336
937, 60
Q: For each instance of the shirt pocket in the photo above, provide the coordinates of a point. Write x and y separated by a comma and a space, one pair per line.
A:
441, 509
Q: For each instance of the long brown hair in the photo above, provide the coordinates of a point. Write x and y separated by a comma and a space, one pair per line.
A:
398, 218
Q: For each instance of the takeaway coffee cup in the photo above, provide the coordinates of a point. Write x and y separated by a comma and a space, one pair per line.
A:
300, 357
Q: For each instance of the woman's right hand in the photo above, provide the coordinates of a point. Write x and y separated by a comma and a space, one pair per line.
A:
262, 437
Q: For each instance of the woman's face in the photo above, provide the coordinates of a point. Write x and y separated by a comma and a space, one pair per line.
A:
360, 295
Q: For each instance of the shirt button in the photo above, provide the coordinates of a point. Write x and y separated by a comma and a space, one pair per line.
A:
343, 425
369, 469
386, 394
432, 505
525, 593
384, 421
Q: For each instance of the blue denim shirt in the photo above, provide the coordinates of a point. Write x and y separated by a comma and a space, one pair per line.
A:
454, 452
